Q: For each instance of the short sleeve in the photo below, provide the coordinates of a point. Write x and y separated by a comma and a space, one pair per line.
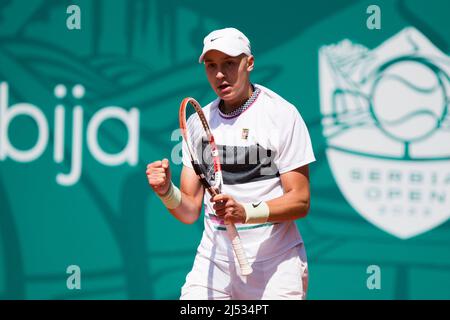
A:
294, 145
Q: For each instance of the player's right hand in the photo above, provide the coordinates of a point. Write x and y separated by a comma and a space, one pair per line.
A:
159, 177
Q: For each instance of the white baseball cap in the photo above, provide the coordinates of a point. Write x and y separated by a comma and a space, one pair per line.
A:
230, 41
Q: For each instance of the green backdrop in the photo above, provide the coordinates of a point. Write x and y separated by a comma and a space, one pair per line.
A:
143, 54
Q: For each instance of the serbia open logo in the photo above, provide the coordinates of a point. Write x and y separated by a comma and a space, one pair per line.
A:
387, 124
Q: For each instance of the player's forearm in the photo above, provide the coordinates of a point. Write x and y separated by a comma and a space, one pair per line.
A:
290, 206
181, 205
187, 212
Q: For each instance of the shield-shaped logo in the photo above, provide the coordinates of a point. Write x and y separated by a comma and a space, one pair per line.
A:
385, 116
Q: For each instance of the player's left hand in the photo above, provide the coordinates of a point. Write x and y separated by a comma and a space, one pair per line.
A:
228, 209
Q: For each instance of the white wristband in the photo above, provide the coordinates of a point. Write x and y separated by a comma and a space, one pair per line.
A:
256, 212
172, 198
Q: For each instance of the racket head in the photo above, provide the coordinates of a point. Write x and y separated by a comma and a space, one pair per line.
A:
200, 143
205, 160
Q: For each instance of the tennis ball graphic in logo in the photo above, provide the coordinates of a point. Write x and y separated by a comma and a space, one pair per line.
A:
408, 99
386, 113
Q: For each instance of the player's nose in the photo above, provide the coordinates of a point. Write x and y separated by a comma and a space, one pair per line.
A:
220, 75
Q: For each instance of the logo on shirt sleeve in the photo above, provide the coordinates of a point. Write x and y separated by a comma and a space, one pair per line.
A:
244, 135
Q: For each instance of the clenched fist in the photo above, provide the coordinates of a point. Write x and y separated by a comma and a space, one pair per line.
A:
159, 177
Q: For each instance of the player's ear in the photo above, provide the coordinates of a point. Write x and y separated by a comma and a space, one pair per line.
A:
250, 63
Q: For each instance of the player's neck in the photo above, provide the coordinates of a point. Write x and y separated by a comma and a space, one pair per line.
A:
230, 106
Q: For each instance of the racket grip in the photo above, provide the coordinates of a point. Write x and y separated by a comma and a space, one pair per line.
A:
245, 267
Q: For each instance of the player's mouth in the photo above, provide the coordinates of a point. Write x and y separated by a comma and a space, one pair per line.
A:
224, 88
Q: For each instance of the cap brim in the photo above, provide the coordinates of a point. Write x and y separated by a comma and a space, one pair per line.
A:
219, 46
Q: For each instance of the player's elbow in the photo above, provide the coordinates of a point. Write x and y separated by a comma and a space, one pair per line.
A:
188, 220
190, 217
302, 206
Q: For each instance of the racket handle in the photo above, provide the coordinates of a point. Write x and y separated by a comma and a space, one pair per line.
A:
246, 269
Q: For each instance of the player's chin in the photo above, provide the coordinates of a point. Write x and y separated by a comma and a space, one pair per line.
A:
221, 95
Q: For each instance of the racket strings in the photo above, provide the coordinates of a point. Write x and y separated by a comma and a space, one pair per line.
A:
201, 146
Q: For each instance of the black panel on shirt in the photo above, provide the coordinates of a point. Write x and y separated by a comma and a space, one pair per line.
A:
246, 164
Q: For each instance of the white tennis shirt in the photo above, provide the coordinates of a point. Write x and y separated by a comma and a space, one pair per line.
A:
266, 140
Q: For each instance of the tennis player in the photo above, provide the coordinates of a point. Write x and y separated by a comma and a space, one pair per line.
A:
265, 150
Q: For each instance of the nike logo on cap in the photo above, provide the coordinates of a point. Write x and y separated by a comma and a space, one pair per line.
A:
215, 39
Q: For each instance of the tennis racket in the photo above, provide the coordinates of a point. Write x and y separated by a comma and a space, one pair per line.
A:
205, 160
